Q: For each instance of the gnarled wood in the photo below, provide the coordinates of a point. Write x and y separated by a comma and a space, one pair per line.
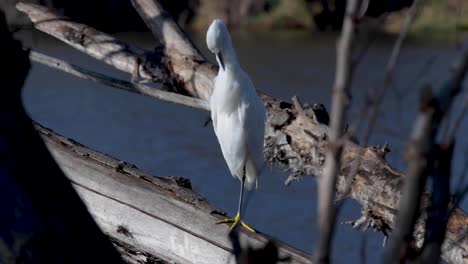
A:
294, 139
160, 216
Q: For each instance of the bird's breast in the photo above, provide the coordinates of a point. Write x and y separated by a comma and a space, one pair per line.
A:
226, 96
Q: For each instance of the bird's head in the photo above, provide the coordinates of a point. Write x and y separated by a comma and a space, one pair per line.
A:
218, 39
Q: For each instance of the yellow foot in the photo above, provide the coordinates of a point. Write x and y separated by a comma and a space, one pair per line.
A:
236, 220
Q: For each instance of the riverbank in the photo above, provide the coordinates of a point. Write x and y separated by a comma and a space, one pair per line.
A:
438, 19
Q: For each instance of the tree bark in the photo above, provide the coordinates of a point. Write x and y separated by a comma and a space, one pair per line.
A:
160, 216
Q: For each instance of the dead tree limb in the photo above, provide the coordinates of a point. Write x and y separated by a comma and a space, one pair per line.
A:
117, 83
165, 29
390, 70
196, 78
160, 216
101, 46
326, 210
300, 141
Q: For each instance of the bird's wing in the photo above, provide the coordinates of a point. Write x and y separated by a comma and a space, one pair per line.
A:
213, 103
253, 114
227, 125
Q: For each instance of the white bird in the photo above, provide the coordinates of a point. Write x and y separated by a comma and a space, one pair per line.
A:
238, 115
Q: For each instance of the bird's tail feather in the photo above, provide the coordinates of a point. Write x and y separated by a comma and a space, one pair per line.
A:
251, 175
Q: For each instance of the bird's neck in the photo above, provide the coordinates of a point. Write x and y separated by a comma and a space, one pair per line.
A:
230, 59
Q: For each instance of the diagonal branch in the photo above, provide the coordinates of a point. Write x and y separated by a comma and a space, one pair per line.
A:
99, 45
420, 155
120, 84
165, 29
341, 99
390, 70
137, 62
457, 121
196, 77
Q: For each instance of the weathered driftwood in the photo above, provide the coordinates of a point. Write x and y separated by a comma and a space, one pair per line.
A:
158, 216
295, 138
117, 83
133, 255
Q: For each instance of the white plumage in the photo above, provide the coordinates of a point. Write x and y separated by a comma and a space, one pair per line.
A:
237, 112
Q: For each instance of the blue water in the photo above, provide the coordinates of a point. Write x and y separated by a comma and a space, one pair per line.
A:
166, 139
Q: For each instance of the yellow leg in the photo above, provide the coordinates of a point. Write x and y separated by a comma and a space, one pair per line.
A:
236, 220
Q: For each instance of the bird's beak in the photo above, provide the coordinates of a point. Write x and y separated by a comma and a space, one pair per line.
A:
220, 58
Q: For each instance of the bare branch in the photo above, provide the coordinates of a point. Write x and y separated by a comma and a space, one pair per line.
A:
453, 128
165, 29
83, 38
340, 103
437, 212
388, 80
390, 69
419, 155
192, 76
120, 84
178, 47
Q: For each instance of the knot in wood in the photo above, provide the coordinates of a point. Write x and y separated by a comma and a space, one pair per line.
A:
381, 151
75, 36
182, 182
123, 166
318, 113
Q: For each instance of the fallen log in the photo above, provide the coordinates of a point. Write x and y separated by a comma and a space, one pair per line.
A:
160, 216
296, 136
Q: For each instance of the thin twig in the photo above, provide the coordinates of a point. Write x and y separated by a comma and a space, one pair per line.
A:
419, 154
362, 249
449, 137
462, 176
371, 38
117, 83
390, 69
377, 100
417, 77
340, 104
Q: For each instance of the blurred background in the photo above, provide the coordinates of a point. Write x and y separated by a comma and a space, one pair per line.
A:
288, 48
252, 15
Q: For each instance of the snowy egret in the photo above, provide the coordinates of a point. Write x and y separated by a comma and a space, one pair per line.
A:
238, 115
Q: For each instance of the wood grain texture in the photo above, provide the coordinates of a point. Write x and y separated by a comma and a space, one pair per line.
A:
157, 215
